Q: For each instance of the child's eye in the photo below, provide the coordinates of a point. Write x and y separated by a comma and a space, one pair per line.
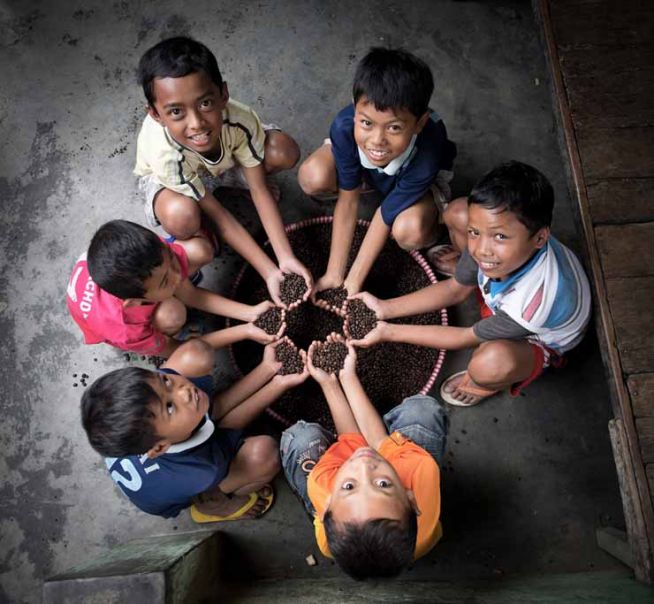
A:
383, 483
500, 236
170, 408
366, 123
473, 233
175, 112
347, 486
395, 128
206, 104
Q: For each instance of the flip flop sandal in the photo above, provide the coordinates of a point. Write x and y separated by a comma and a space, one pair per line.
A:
438, 252
253, 497
466, 386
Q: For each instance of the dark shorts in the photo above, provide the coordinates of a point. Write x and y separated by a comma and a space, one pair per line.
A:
421, 418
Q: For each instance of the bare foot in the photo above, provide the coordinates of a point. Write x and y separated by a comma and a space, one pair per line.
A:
460, 389
444, 258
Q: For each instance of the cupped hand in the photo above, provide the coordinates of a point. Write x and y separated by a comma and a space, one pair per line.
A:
375, 336
291, 380
320, 375
293, 265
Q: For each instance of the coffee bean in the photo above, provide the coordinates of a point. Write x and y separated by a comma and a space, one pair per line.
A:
330, 356
360, 319
290, 358
292, 288
334, 296
270, 321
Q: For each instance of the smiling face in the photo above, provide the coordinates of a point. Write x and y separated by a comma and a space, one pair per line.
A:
179, 409
190, 107
384, 135
499, 243
164, 279
367, 487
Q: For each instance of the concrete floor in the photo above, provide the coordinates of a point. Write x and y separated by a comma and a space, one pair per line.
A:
526, 481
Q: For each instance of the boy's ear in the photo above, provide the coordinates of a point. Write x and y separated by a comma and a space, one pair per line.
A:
420, 124
412, 500
154, 114
327, 502
127, 302
158, 449
541, 236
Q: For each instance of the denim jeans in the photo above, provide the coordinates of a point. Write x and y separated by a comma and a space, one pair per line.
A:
421, 418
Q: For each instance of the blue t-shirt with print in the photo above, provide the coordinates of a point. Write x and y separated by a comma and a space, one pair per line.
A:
432, 152
166, 485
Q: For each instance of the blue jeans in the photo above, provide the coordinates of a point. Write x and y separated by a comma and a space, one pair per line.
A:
421, 418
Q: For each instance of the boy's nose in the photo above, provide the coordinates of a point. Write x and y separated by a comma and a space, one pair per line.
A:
194, 119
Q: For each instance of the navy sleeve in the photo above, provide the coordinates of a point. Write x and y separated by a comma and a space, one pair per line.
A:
433, 152
344, 148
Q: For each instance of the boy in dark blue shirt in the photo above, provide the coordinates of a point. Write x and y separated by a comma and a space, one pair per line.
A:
171, 443
388, 140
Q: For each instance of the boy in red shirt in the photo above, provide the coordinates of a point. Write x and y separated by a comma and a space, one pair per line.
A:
131, 290
374, 494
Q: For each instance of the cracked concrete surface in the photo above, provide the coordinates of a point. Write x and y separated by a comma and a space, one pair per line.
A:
526, 481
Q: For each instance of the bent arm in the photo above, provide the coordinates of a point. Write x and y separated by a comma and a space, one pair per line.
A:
345, 220
372, 245
236, 236
431, 298
367, 417
208, 301
339, 408
230, 398
243, 413
432, 336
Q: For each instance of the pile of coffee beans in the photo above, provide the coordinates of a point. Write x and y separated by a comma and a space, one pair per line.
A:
360, 319
292, 288
330, 356
334, 296
289, 356
271, 320
389, 372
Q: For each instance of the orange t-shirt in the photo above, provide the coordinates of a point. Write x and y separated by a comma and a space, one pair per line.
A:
415, 467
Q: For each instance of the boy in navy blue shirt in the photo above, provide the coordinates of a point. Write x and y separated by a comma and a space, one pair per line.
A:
388, 140
171, 443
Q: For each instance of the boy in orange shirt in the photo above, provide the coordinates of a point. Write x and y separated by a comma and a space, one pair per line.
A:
374, 494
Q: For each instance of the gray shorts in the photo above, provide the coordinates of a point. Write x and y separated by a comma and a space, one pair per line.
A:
421, 418
150, 186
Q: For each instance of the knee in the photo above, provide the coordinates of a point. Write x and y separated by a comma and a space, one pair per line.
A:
410, 232
281, 151
492, 363
198, 355
170, 316
313, 177
455, 215
264, 456
179, 215
302, 434
199, 251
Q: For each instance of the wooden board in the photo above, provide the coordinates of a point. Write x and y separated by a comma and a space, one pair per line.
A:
641, 390
616, 152
626, 250
621, 200
630, 303
645, 428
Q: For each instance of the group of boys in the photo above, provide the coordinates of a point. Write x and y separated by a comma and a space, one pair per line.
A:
171, 442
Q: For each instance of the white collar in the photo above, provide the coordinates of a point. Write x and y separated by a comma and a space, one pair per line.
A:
393, 166
198, 438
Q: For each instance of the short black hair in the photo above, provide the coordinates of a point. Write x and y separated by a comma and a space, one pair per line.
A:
175, 58
121, 256
520, 189
117, 412
382, 547
393, 79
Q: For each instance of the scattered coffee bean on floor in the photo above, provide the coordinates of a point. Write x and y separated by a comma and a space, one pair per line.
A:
292, 289
361, 319
290, 359
330, 356
270, 321
335, 296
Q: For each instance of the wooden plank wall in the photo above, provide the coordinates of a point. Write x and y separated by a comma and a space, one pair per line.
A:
601, 56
